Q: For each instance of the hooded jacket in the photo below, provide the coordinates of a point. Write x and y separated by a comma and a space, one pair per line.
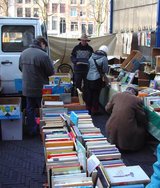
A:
36, 67
102, 61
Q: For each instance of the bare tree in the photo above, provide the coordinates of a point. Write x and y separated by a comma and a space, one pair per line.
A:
4, 6
45, 9
43, 6
99, 10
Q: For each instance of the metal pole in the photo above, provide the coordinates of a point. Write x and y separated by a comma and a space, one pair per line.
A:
111, 17
158, 25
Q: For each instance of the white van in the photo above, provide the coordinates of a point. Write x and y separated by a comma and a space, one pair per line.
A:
16, 35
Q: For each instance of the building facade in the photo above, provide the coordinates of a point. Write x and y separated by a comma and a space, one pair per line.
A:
65, 18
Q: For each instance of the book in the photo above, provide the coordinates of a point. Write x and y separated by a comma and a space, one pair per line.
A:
129, 186
126, 175
63, 149
63, 158
59, 143
53, 103
80, 97
55, 155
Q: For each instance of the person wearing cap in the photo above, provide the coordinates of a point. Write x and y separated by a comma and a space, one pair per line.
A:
127, 124
94, 80
36, 67
79, 57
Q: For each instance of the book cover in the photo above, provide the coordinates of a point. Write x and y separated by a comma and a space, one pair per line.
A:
126, 175
130, 186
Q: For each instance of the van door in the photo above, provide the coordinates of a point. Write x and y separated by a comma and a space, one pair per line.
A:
14, 39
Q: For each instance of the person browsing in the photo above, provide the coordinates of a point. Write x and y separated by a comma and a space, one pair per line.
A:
36, 67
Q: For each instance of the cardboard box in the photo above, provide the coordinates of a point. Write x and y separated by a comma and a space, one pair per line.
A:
154, 52
11, 129
132, 62
60, 78
157, 69
10, 108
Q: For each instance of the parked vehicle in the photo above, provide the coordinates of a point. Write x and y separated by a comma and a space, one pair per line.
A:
16, 35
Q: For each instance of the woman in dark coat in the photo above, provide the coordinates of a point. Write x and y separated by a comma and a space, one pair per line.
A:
127, 124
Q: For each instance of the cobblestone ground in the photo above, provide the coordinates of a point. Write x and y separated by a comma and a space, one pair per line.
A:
21, 164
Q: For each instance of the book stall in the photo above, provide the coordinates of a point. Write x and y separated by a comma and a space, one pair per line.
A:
145, 76
77, 154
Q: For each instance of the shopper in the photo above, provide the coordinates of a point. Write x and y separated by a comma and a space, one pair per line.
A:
98, 63
36, 67
126, 126
79, 57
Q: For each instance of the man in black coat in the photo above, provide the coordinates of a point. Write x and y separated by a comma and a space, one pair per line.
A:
36, 67
79, 57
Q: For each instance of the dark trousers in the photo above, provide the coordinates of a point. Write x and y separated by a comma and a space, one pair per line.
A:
78, 78
93, 89
33, 103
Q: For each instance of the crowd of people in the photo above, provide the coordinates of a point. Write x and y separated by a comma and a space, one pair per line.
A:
126, 126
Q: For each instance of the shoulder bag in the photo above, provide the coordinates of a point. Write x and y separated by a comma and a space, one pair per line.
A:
102, 74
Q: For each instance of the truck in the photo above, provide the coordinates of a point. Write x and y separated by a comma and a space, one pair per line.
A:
16, 35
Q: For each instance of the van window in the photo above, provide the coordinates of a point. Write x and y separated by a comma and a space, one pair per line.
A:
17, 38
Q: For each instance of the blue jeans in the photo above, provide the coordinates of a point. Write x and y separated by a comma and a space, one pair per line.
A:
33, 103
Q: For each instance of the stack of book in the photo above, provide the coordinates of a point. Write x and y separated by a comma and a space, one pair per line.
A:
78, 180
149, 92
50, 126
153, 103
63, 159
52, 112
66, 157
103, 150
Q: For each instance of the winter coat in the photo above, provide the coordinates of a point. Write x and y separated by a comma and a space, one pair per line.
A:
36, 67
127, 124
102, 61
81, 54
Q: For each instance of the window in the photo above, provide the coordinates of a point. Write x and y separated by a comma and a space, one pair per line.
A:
27, 1
73, 1
54, 7
90, 28
83, 28
16, 38
35, 12
19, 1
27, 12
62, 8
54, 23
73, 11
35, 1
82, 13
62, 25
19, 12
82, 1
74, 26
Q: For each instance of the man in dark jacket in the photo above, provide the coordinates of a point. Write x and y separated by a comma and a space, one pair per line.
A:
36, 67
127, 124
79, 57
